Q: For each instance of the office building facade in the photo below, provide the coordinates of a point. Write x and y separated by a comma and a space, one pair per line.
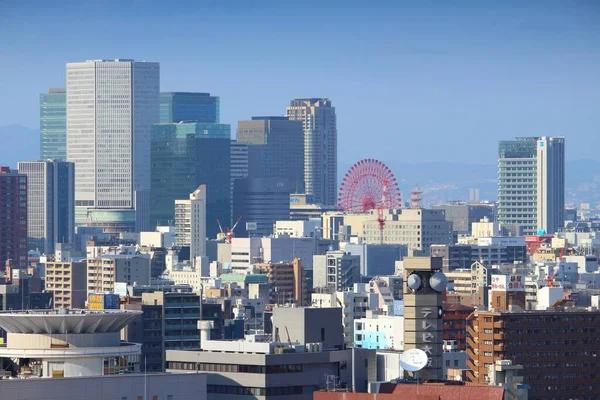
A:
50, 203
185, 156
320, 146
13, 218
53, 124
416, 228
111, 106
239, 165
531, 184
260, 202
190, 223
189, 106
275, 149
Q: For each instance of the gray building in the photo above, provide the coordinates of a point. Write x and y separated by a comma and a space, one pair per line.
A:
377, 259
462, 214
336, 269
109, 387
50, 203
531, 184
320, 146
307, 347
169, 322
275, 149
487, 251
260, 202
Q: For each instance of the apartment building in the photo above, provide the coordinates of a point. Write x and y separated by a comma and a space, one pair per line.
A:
67, 282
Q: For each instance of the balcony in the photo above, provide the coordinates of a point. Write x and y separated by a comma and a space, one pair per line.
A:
472, 342
472, 332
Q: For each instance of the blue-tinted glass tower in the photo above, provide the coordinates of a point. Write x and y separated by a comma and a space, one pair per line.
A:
183, 156
53, 124
185, 106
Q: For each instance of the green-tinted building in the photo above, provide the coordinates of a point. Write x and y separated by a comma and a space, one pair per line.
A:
183, 156
53, 124
186, 106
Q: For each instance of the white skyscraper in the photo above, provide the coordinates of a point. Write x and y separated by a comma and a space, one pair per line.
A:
111, 105
531, 184
320, 147
190, 222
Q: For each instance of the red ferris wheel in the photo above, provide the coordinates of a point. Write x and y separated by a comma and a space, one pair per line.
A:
369, 184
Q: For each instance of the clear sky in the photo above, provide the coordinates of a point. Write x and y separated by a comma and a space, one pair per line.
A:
411, 80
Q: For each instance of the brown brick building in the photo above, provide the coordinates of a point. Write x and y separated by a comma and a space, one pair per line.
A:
455, 323
286, 282
558, 349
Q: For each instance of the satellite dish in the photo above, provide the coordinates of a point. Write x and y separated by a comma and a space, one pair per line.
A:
413, 360
414, 281
438, 281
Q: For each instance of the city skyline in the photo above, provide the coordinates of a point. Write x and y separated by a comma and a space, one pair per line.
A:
476, 72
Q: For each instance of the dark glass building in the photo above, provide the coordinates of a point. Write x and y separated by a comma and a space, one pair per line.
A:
261, 202
53, 124
275, 149
185, 106
184, 156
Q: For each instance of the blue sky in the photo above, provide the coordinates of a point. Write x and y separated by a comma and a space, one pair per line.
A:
411, 80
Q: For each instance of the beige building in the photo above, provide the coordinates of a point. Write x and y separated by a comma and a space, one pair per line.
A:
103, 272
484, 228
190, 222
417, 228
67, 282
469, 281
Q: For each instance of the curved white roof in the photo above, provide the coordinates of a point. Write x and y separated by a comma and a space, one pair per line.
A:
59, 321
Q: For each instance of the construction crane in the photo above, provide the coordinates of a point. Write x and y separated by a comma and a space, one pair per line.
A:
550, 279
228, 234
380, 210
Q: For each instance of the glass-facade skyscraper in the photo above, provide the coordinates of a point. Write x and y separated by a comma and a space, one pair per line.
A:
184, 156
188, 106
53, 124
111, 106
320, 146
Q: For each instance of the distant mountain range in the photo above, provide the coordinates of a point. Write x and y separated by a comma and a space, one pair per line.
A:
440, 181
18, 143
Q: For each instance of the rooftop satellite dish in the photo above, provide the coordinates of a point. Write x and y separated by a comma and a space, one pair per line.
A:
413, 360
438, 281
414, 281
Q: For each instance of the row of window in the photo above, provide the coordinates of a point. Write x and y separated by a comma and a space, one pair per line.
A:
248, 369
254, 391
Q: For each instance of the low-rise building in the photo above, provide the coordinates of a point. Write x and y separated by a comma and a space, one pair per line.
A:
306, 347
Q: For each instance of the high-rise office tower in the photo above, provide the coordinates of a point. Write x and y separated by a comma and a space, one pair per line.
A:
531, 184
184, 156
239, 165
190, 222
53, 124
50, 203
186, 106
320, 147
111, 106
260, 202
13, 218
551, 183
275, 149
